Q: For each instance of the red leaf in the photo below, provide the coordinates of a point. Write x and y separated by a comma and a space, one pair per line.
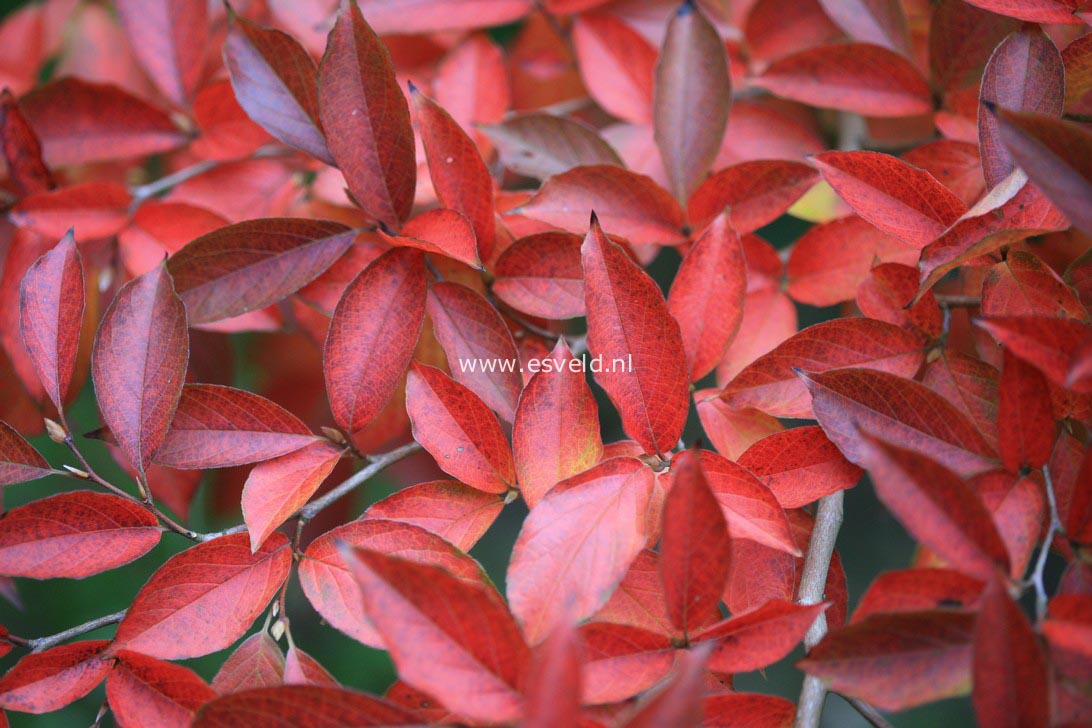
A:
760, 637
474, 336
79, 122
690, 104
886, 295
168, 39
205, 598
1035, 11
961, 39
553, 682
1067, 627
858, 77
630, 328
74, 535
302, 669
51, 305
335, 595
1051, 345
19, 461
753, 194
800, 466
458, 430
540, 275
694, 550
638, 600
937, 508
630, 205
145, 691
709, 323
770, 383
472, 84
1010, 673
896, 197
732, 431
882, 22
617, 65
366, 120
577, 544
897, 661
678, 702
1025, 420
1023, 285
971, 385
455, 166
93, 209
429, 617
915, 590
424, 16
748, 710
1056, 155
278, 488
455, 512
539, 145
1025, 73
220, 427
622, 661
21, 149
442, 231
750, 508
289, 706
250, 265
556, 429
256, 663
849, 401
276, 82
139, 364
372, 335
46, 681
955, 164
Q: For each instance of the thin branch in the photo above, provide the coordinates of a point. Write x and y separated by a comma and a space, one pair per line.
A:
869, 713
41, 644
1054, 528
828, 520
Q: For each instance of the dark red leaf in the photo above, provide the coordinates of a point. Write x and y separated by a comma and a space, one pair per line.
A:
1051, 345
144, 691
21, 149
541, 275
46, 681
19, 461
1025, 421
540, 145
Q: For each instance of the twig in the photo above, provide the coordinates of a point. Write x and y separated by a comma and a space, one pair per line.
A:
1055, 527
813, 581
873, 716
40, 644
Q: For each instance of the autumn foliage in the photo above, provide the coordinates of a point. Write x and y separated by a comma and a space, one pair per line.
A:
299, 251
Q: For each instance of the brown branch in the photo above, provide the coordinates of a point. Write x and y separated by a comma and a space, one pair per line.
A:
824, 534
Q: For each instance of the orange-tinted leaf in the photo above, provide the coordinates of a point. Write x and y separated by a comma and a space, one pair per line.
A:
91, 209
629, 326
770, 383
937, 508
250, 265
752, 193
913, 590
800, 466
896, 197
19, 461
168, 38
220, 427
691, 99
556, 430
760, 637
205, 598
474, 336
539, 145
366, 119
429, 617
849, 401
617, 65
330, 587
289, 706
276, 82
860, 77
74, 535
145, 691
458, 430
577, 544
1024, 74
279, 487
456, 512
46, 681
458, 174
372, 336
256, 663
139, 364
51, 304
79, 121
541, 275
21, 149
897, 661
708, 323
628, 204
1007, 654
